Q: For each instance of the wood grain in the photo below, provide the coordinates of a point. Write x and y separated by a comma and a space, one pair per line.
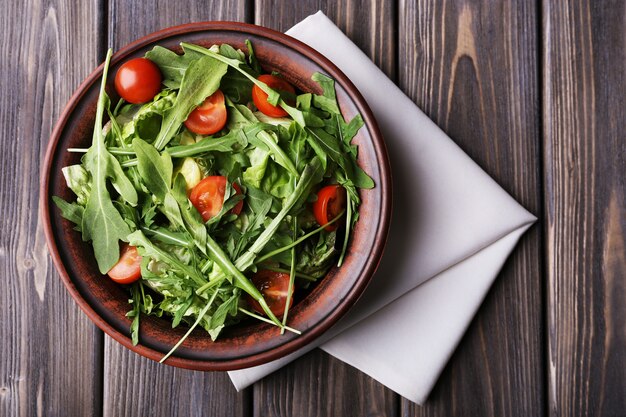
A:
472, 67
316, 384
130, 20
50, 351
133, 385
370, 24
584, 51
319, 385
136, 386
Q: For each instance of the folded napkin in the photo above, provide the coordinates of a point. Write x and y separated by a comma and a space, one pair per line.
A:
452, 229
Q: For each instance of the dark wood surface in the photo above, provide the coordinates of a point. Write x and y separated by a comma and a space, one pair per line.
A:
533, 91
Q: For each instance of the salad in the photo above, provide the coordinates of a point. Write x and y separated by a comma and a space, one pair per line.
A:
215, 192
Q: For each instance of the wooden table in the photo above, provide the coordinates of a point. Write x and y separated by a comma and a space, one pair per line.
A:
532, 90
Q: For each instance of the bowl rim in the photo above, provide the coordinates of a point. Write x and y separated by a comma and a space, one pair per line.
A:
319, 328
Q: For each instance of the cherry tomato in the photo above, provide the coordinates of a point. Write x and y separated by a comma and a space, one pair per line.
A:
138, 80
331, 200
260, 98
209, 117
208, 196
128, 268
274, 286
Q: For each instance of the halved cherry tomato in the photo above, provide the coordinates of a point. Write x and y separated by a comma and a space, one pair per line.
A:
274, 286
260, 98
208, 196
138, 80
209, 117
128, 268
331, 200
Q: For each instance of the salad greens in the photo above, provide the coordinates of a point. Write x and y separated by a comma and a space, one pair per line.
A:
136, 184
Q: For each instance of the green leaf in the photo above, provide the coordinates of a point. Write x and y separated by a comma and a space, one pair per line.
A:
243, 118
145, 121
101, 222
78, 180
349, 131
192, 219
70, 211
277, 181
254, 63
298, 151
135, 313
256, 199
155, 168
230, 52
219, 317
180, 312
254, 174
171, 64
327, 101
233, 141
202, 78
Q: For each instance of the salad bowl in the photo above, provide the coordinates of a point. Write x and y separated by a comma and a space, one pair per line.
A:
249, 343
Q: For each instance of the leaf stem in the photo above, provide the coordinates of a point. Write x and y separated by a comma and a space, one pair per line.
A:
292, 275
195, 324
256, 316
347, 233
297, 242
287, 271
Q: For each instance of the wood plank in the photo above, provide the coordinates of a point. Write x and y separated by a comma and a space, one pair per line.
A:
585, 161
136, 386
472, 67
51, 353
133, 385
370, 24
130, 20
317, 384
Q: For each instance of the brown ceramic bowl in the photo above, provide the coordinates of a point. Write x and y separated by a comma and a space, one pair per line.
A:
251, 343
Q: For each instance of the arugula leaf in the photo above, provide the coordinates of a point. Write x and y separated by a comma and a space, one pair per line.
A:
167, 236
254, 174
219, 317
252, 228
328, 100
256, 199
296, 146
78, 180
171, 64
135, 301
242, 117
70, 211
101, 222
254, 63
181, 310
233, 141
155, 168
192, 219
230, 52
335, 149
202, 78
